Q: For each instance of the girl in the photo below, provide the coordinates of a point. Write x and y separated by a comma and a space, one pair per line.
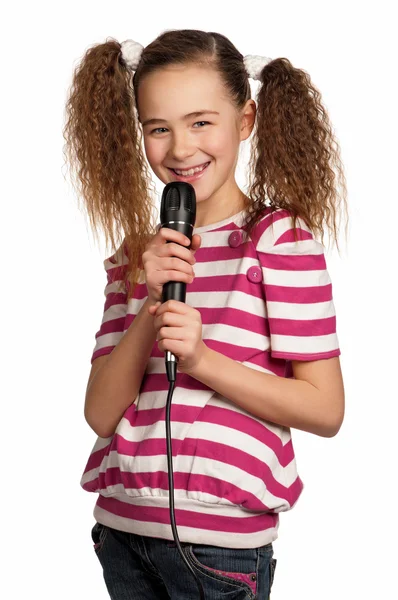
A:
256, 339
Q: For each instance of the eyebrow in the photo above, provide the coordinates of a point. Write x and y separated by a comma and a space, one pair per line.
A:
197, 113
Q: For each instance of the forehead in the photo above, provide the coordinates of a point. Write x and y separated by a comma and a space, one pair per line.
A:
174, 91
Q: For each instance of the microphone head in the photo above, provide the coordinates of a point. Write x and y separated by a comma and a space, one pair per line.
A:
178, 204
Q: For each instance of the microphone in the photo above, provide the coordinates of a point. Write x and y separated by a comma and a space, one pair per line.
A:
177, 211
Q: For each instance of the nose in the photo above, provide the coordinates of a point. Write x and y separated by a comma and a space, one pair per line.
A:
182, 147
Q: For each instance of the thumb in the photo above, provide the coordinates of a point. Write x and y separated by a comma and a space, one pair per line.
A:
153, 308
196, 241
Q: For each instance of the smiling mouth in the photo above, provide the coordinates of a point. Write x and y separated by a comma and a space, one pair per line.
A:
190, 172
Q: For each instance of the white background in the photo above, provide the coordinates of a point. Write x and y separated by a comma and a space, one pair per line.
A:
340, 539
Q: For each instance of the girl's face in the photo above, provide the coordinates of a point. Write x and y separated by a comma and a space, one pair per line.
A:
176, 139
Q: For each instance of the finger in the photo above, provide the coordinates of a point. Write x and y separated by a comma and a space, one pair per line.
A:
171, 235
174, 346
173, 306
171, 320
170, 333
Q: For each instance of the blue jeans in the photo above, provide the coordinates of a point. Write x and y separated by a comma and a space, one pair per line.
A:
137, 567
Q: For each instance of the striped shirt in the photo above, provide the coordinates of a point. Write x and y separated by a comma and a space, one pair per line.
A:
264, 301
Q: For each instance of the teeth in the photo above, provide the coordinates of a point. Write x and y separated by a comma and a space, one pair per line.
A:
191, 171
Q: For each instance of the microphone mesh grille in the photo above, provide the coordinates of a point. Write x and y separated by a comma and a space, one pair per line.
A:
189, 201
173, 199
176, 194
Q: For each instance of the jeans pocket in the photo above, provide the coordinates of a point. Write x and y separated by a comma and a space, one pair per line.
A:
272, 567
227, 567
98, 536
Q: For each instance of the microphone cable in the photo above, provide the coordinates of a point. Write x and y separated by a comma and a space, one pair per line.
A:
171, 367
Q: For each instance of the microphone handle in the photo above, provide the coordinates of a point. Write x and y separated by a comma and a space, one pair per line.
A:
175, 290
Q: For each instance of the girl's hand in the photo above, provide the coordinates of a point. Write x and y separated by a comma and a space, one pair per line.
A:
179, 328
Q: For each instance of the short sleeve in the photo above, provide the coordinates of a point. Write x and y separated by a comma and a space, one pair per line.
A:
297, 289
115, 308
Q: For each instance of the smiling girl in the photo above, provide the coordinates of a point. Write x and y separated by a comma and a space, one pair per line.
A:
256, 340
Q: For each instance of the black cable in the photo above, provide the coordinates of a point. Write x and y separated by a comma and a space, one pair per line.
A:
171, 368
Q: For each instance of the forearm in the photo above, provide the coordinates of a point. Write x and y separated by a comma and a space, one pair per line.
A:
286, 402
116, 384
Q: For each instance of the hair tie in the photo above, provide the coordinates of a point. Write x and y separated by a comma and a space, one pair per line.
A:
255, 64
131, 53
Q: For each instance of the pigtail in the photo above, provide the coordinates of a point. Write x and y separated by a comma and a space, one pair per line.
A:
294, 156
103, 146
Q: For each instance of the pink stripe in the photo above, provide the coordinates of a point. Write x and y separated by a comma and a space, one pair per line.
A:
235, 317
111, 326
91, 486
157, 382
140, 291
205, 449
190, 482
299, 295
225, 283
267, 217
114, 298
303, 328
190, 518
101, 352
303, 356
96, 458
288, 236
215, 415
116, 273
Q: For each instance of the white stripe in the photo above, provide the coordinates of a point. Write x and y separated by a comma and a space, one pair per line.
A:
215, 268
116, 287
192, 535
227, 299
275, 230
106, 340
114, 312
300, 279
89, 476
304, 345
301, 312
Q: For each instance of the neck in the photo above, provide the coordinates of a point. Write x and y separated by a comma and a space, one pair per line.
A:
220, 206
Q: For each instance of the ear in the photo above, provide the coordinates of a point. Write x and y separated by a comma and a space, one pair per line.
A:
248, 118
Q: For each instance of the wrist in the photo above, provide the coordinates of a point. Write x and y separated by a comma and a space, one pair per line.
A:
202, 364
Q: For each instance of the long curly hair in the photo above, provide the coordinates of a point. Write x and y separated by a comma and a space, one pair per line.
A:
294, 162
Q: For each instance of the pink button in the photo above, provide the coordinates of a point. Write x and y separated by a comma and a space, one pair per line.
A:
254, 274
235, 239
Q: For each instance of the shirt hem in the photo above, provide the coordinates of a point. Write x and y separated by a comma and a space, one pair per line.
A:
118, 513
